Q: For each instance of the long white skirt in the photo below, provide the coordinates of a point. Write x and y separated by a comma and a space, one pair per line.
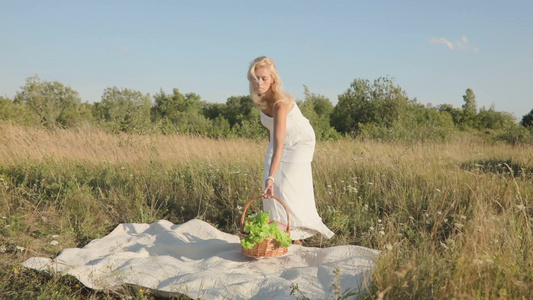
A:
293, 184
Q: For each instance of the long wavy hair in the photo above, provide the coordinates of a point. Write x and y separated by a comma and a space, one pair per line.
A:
277, 86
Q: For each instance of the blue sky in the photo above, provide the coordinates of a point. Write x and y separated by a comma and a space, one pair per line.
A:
434, 50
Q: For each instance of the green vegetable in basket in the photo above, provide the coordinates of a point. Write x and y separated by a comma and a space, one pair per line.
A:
258, 229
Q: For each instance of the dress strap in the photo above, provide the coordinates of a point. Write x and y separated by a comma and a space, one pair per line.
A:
279, 102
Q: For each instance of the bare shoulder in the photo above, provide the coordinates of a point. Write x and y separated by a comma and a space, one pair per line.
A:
280, 106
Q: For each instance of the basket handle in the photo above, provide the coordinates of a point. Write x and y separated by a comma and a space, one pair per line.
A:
261, 197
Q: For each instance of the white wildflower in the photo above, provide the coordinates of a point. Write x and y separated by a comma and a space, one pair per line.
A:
54, 242
388, 247
463, 217
519, 283
450, 242
21, 249
55, 236
521, 207
382, 232
379, 220
3, 249
371, 228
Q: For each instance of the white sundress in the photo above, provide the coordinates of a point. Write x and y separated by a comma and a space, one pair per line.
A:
293, 182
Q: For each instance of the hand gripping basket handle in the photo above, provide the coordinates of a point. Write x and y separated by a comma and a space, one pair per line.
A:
261, 197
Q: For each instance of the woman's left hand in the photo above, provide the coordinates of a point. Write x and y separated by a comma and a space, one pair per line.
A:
269, 189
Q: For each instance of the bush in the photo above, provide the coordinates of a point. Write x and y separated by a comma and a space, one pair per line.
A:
492, 119
517, 135
17, 113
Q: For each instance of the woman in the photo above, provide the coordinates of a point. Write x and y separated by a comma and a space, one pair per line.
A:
287, 172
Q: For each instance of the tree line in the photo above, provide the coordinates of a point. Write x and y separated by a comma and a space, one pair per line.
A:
378, 109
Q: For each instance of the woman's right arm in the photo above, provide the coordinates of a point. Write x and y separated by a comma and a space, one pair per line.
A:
280, 112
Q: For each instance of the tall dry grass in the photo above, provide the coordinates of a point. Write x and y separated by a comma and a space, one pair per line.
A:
96, 146
453, 220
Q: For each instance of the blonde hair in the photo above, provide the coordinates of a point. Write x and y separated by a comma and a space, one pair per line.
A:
277, 86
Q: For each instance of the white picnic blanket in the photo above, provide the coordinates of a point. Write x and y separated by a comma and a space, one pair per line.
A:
198, 260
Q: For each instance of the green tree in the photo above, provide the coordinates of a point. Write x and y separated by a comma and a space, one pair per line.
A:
244, 117
422, 116
86, 114
381, 103
240, 108
167, 105
470, 105
54, 103
469, 109
321, 104
181, 113
124, 110
527, 120
193, 103
455, 113
240, 115
220, 128
214, 110
317, 109
492, 119
16, 113
353, 107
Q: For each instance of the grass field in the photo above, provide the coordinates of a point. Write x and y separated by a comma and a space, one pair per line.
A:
453, 220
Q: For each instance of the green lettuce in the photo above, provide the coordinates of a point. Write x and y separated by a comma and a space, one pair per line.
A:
258, 229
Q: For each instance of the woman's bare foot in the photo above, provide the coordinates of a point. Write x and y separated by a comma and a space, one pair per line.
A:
297, 242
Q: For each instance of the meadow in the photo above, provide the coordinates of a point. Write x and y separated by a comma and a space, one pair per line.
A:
452, 219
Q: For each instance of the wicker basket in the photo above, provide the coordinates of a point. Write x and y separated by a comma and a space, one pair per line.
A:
269, 247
